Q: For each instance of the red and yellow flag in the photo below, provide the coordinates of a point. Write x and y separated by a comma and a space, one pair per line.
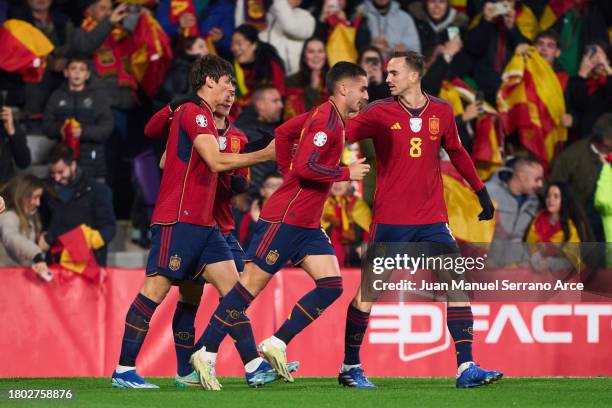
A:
553, 10
152, 55
179, 8
24, 50
487, 150
76, 250
530, 101
463, 208
69, 140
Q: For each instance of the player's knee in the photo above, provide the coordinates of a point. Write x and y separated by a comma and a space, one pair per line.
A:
330, 288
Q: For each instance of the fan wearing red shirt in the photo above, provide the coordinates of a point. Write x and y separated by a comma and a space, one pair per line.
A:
289, 227
187, 246
408, 131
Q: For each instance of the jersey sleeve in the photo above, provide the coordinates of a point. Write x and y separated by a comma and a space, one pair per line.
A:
196, 121
159, 125
286, 137
459, 156
363, 126
243, 171
314, 158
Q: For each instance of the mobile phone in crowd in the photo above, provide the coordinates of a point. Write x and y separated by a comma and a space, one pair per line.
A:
591, 50
452, 32
501, 8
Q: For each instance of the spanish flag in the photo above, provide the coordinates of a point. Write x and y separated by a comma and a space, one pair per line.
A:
487, 150
463, 208
152, 56
530, 101
75, 249
69, 140
341, 40
459, 5
180, 7
24, 50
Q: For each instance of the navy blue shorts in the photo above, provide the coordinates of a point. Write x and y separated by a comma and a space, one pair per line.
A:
275, 244
237, 251
434, 239
181, 251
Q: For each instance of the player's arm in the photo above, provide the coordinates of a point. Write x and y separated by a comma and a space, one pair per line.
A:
363, 126
465, 166
286, 137
207, 147
159, 125
313, 161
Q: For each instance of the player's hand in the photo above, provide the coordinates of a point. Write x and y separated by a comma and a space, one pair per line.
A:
358, 169
178, 101
488, 210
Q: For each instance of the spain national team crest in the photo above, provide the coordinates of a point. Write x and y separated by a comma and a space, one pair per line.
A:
175, 263
416, 124
222, 143
235, 145
272, 257
434, 125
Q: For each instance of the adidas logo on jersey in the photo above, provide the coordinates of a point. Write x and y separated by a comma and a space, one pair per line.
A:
396, 126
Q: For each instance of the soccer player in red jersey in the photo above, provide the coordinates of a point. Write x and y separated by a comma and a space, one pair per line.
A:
187, 246
408, 130
289, 226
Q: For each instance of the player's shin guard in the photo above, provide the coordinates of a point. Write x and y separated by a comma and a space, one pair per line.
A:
229, 317
460, 322
311, 306
356, 326
136, 328
183, 330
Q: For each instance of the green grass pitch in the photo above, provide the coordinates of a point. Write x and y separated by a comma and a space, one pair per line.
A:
325, 392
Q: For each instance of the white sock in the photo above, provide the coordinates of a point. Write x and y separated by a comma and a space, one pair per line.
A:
207, 355
276, 342
463, 367
345, 367
253, 364
122, 369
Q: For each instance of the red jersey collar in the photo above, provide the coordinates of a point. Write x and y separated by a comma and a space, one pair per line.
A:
337, 113
407, 109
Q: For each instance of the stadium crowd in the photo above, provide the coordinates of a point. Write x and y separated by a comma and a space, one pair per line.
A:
529, 82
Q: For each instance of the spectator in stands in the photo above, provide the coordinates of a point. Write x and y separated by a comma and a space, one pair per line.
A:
58, 28
561, 220
176, 84
80, 116
330, 13
100, 36
306, 88
14, 150
288, 27
491, 43
603, 203
514, 191
214, 21
591, 90
271, 183
346, 219
254, 62
387, 27
371, 60
20, 225
579, 166
261, 117
435, 19
72, 199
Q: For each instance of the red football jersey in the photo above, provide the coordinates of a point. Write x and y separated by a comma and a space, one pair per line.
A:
299, 201
232, 140
188, 186
408, 178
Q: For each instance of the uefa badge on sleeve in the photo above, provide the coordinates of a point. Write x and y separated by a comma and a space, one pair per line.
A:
320, 138
201, 120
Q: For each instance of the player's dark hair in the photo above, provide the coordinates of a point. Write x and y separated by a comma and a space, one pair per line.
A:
208, 66
602, 129
550, 33
60, 152
342, 70
413, 60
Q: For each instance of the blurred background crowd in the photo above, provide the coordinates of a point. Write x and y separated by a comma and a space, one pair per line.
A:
529, 81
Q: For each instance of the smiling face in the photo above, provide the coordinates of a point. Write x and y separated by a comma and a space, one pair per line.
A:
356, 93
63, 173
199, 48
242, 49
314, 55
